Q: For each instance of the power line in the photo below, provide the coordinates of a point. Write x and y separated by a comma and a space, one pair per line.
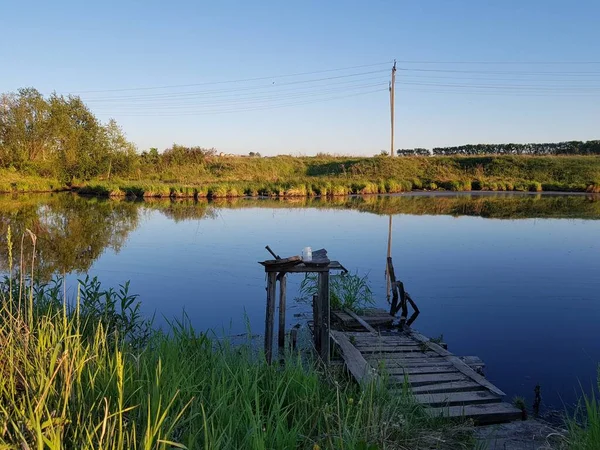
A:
258, 108
220, 92
243, 80
502, 62
239, 100
502, 72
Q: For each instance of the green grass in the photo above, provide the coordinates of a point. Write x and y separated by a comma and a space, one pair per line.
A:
287, 176
584, 426
347, 291
92, 374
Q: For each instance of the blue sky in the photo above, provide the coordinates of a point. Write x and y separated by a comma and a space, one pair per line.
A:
77, 47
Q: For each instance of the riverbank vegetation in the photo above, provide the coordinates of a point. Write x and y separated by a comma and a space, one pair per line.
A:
325, 176
56, 142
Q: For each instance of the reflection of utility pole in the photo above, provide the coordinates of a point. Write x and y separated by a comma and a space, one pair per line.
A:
392, 103
389, 253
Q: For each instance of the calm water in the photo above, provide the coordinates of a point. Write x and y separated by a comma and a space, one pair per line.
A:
513, 279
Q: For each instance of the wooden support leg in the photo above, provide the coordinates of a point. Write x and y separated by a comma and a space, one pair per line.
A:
316, 324
324, 315
281, 328
270, 315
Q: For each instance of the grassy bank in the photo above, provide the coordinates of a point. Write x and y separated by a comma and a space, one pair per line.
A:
92, 374
286, 176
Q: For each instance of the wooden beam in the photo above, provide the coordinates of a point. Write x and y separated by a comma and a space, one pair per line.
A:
360, 320
457, 398
323, 318
356, 364
270, 315
487, 413
449, 386
282, 298
316, 325
302, 268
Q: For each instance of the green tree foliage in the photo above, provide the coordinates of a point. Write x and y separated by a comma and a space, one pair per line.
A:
179, 155
60, 136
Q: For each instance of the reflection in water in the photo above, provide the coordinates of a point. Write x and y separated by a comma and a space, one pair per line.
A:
74, 231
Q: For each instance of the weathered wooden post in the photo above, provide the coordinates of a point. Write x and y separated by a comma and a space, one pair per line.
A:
270, 315
316, 323
324, 314
282, 294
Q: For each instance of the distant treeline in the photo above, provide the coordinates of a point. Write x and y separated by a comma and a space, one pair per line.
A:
548, 149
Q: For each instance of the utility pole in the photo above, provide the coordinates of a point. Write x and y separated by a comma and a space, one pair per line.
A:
392, 103
389, 244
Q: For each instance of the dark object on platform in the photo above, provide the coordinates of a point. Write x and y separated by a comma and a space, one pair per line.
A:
282, 263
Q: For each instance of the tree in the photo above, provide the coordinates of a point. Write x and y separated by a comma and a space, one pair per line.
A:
24, 128
60, 136
121, 152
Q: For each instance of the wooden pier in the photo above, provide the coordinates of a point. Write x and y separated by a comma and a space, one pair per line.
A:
373, 345
446, 384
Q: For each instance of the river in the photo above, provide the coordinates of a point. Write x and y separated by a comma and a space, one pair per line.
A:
511, 278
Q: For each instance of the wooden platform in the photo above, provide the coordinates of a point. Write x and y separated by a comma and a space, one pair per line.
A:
441, 381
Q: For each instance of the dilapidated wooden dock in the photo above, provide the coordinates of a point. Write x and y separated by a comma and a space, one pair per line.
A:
374, 347
447, 385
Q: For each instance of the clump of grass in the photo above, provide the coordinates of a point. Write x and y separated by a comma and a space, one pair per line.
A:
519, 402
584, 425
347, 291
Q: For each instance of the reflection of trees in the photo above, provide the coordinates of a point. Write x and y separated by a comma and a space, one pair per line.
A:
498, 206
72, 232
183, 209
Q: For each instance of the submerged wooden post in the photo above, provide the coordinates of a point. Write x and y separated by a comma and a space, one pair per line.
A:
270, 315
392, 278
282, 293
324, 315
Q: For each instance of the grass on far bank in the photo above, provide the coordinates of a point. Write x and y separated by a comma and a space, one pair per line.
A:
287, 176
93, 375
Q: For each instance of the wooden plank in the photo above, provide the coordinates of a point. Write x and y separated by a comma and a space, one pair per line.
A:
368, 338
423, 380
270, 315
360, 320
389, 348
323, 284
373, 319
487, 413
360, 369
449, 386
377, 362
281, 263
460, 365
428, 370
301, 268
457, 398
474, 362
411, 355
281, 327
